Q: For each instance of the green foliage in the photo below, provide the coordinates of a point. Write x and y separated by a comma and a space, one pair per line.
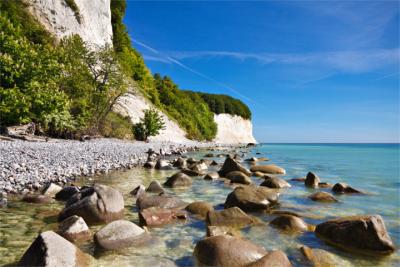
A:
116, 126
224, 104
72, 5
149, 125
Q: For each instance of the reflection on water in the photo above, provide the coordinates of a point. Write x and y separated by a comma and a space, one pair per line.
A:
174, 244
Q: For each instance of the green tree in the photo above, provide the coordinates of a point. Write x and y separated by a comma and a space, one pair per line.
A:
149, 125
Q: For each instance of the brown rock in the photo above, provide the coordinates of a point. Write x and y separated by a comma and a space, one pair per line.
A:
238, 177
192, 172
37, 199
312, 180
211, 176
74, 229
272, 169
342, 188
250, 198
232, 217
66, 193
222, 230
322, 258
323, 197
178, 180
289, 223
163, 201
156, 216
200, 208
231, 165
275, 182
273, 259
258, 174
155, 187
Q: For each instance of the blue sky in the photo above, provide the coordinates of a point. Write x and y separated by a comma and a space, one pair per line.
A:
325, 71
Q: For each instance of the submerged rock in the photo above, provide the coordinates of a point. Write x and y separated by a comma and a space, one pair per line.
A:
323, 197
365, 234
275, 182
178, 180
238, 177
250, 198
232, 217
74, 229
50, 249
37, 199
271, 169
67, 192
231, 165
312, 180
97, 204
200, 208
225, 250
222, 230
211, 176
120, 234
273, 259
163, 201
342, 188
156, 216
322, 258
155, 187
289, 223
209, 155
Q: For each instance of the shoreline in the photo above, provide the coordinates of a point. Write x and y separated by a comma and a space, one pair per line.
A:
27, 166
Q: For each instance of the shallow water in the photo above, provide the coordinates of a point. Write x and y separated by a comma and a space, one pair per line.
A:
371, 168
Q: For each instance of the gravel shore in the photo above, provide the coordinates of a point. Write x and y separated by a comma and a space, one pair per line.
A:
27, 166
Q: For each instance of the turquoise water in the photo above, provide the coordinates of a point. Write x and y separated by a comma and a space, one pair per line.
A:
372, 168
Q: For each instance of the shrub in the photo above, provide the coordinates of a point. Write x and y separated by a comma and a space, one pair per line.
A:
116, 126
149, 125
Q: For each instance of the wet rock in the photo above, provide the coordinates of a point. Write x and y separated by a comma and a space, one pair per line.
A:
211, 176
149, 165
302, 179
232, 217
250, 198
138, 191
238, 177
156, 216
178, 180
180, 163
271, 169
155, 187
364, 234
275, 182
162, 164
191, 161
325, 185
273, 259
192, 172
51, 189
342, 188
222, 230
200, 208
231, 165
323, 197
253, 159
97, 204
312, 180
66, 193
120, 234
258, 174
289, 223
225, 250
214, 163
50, 249
37, 199
322, 258
163, 201
74, 229
209, 155
199, 167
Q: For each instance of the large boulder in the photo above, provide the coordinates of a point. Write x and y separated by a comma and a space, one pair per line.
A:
97, 204
289, 223
163, 201
156, 216
365, 234
225, 250
275, 182
322, 258
67, 192
271, 169
231, 165
273, 259
312, 180
50, 249
238, 177
250, 198
178, 180
200, 208
74, 229
120, 234
155, 187
342, 188
322, 197
232, 217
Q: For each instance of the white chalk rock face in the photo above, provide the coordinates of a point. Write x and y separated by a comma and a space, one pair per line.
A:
233, 129
92, 23
132, 105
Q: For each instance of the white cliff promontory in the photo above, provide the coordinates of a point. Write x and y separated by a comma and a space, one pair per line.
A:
233, 129
93, 24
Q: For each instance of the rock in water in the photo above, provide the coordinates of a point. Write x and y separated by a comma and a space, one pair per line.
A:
156, 216
74, 229
222, 230
38, 199
155, 187
67, 192
165, 202
178, 180
211, 176
50, 249
271, 169
200, 208
232, 217
97, 204
322, 258
162, 165
322, 197
224, 250
231, 165
138, 191
289, 223
275, 182
180, 163
364, 234
251, 198
312, 180
238, 177
273, 259
120, 234
342, 188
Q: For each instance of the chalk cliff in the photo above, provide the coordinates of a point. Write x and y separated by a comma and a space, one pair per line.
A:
233, 129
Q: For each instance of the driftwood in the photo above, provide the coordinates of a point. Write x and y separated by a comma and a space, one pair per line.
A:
26, 129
